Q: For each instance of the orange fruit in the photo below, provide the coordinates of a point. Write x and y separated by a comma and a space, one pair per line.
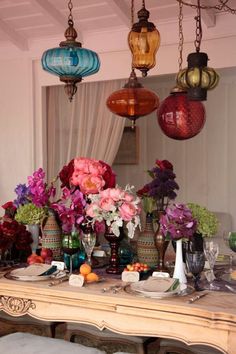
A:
91, 277
85, 269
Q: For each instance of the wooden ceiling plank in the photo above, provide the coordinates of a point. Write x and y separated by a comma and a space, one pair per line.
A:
208, 16
122, 10
55, 15
15, 38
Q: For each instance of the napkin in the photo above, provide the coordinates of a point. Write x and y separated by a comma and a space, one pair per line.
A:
76, 280
32, 270
160, 284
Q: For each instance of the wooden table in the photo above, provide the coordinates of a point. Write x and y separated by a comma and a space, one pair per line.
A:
210, 321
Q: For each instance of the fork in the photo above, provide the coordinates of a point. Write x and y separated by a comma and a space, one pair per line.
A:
230, 288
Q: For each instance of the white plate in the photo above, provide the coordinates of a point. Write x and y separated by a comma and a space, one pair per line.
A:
154, 287
187, 290
31, 273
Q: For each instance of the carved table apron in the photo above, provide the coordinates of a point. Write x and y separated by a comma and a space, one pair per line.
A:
210, 321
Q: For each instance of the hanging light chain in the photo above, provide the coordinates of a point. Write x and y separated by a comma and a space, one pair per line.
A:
70, 17
181, 35
198, 39
132, 13
143, 3
222, 6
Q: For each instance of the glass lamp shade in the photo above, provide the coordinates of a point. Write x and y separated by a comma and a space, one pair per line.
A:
70, 61
179, 117
144, 41
197, 78
133, 101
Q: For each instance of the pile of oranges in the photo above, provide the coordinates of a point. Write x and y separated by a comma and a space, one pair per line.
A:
86, 271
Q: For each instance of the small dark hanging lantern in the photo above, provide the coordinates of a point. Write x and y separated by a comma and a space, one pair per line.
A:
70, 61
133, 101
197, 78
144, 41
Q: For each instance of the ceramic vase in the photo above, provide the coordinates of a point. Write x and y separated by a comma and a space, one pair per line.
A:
52, 235
146, 249
179, 270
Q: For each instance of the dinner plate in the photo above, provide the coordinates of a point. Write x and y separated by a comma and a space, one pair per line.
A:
183, 291
33, 272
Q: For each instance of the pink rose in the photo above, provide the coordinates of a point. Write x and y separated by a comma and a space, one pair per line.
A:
81, 164
90, 184
116, 193
105, 193
128, 197
127, 211
106, 204
91, 210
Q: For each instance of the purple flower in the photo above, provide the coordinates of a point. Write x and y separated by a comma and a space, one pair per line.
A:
23, 195
40, 193
178, 222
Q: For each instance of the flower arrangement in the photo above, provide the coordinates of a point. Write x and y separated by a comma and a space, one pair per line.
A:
178, 222
157, 193
33, 199
89, 175
70, 209
207, 222
11, 232
114, 206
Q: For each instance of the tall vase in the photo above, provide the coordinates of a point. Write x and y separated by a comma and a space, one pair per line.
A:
114, 241
52, 235
161, 246
146, 249
179, 271
34, 230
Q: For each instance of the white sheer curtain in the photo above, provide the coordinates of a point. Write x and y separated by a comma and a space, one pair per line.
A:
84, 127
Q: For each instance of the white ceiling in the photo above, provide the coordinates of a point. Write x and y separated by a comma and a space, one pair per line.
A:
25, 21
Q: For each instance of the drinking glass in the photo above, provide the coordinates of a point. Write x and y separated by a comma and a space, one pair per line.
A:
88, 241
230, 240
71, 245
211, 250
195, 263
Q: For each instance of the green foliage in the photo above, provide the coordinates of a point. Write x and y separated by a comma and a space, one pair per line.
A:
207, 222
30, 214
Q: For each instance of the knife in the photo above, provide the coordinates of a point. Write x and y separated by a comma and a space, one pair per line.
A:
58, 281
197, 297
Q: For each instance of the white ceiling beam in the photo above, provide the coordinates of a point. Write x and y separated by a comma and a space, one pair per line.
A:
18, 40
122, 10
208, 16
55, 15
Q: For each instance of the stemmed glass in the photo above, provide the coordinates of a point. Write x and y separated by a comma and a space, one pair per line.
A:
89, 241
71, 245
195, 263
211, 250
230, 240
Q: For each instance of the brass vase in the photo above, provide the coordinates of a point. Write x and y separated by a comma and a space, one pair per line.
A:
161, 245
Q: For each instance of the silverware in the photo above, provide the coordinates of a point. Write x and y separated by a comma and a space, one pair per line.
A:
230, 288
58, 281
197, 297
113, 288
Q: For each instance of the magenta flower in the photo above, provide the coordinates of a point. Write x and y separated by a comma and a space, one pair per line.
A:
178, 222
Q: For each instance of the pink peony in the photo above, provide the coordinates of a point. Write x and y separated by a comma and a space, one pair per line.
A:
89, 166
128, 197
89, 184
116, 193
127, 211
107, 204
91, 210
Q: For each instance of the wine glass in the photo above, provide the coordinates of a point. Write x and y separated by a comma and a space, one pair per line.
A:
211, 251
70, 245
230, 240
89, 241
195, 263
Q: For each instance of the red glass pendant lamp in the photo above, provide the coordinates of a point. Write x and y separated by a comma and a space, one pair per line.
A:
180, 118
133, 101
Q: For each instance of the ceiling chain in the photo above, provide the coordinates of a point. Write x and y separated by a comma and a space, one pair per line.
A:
181, 35
221, 6
198, 39
70, 17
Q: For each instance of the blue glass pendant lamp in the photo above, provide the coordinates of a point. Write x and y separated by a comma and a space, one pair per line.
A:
70, 61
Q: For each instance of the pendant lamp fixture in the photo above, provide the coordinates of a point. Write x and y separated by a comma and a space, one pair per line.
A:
144, 41
197, 78
179, 117
70, 61
133, 101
